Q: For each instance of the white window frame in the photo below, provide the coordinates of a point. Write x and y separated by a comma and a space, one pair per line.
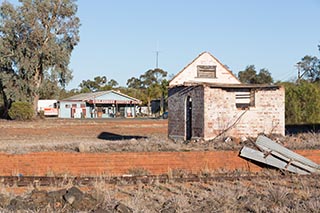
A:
245, 98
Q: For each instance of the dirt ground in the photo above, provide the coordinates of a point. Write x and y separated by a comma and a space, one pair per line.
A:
95, 135
276, 193
271, 192
54, 134
117, 135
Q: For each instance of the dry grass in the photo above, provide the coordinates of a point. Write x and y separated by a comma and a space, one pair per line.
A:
150, 144
278, 193
144, 136
226, 196
273, 192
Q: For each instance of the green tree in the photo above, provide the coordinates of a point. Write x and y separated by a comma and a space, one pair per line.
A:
302, 103
250, 76
37, 38
134, 83
112, 83
309, 68
152, 84
93, 86
49, 89
9, 89
99, 83
66, 94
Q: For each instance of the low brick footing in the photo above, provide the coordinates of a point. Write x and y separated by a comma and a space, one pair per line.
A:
95, 164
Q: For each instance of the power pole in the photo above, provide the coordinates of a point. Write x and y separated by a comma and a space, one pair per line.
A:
157, 67
299, 74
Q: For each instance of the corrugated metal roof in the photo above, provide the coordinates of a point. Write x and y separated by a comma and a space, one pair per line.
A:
95, 95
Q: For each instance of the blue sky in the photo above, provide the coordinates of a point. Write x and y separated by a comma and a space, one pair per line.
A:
118, 39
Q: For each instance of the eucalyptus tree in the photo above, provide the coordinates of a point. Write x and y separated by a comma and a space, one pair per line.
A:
112, 83
99, 83
37, 38
250, 76
152, 84
93, 85
309, 68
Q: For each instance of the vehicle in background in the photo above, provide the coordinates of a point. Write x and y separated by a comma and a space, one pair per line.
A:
165, 115
48, 107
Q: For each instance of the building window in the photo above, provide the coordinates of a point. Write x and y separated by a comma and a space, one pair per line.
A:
206, 71
245, 98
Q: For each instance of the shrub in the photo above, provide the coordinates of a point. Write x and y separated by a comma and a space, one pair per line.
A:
21, 111
302, 102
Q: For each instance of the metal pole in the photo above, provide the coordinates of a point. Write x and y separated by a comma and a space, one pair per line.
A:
157, 59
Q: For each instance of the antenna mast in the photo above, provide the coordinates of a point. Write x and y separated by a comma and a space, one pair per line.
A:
157, 55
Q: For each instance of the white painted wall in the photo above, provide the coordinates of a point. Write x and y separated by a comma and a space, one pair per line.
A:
189, 73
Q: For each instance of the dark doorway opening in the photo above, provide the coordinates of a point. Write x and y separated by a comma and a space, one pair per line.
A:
188, 118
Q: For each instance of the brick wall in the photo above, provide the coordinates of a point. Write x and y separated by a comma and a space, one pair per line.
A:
223, 117
214, 112
177, 111
92, 164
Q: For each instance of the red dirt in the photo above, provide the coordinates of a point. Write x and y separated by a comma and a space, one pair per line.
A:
78, 128
92, 164
114, 163
95, 164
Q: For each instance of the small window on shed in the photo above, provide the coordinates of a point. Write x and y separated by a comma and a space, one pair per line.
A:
245, 98
206, 71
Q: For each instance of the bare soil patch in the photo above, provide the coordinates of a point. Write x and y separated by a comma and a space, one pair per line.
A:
66, 135
116, 135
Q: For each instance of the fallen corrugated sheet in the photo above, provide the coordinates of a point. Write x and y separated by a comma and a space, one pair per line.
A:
273, 154
287, 155
270, 160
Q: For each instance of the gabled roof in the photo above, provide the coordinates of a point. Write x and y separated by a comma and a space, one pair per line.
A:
95, 96
199, 56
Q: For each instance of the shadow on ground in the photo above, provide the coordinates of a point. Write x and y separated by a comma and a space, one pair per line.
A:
302, 128
114, 137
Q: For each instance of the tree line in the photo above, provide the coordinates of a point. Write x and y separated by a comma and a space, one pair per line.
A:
36, 41
302, 96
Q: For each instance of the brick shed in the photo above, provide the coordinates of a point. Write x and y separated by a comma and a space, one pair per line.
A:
207, 101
